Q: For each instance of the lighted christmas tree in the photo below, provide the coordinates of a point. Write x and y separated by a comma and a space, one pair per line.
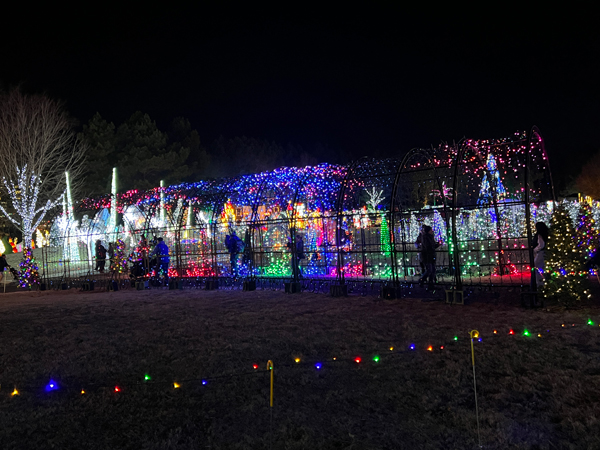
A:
120, 259
386, 248
413, 228
491, 185
564, 261
29, 270
439, 227
587, 233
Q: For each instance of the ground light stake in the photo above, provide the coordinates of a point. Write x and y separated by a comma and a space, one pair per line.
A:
270, 368
475, 335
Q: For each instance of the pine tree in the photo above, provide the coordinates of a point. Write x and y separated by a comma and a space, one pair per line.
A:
564, 261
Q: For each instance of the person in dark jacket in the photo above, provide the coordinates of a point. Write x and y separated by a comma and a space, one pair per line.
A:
161, 252
235, 246
428, 247
100, 256
4, 265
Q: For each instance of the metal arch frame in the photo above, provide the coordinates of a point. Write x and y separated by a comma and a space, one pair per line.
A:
534, 132
218, 205
212, 196
292, 227
339, 205
401, 169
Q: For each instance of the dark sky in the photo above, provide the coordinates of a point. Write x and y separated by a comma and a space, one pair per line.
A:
375, 80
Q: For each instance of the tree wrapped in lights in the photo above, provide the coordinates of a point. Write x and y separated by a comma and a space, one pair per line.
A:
564, 261
120, 259
587, 233
386, 247
38, 146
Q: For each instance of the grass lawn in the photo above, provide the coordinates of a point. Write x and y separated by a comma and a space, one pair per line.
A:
532, 392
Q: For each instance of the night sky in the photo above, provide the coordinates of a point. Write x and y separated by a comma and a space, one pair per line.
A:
376, 80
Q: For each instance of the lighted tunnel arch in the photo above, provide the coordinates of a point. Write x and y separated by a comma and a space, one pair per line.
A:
359, 221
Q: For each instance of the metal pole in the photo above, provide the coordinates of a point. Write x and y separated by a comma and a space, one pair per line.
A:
475, 334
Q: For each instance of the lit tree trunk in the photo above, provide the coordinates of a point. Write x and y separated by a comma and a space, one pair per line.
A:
24, 195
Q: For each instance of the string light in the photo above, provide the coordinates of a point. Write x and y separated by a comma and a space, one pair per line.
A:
53, 385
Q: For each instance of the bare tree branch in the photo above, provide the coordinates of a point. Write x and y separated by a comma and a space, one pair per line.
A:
37, 146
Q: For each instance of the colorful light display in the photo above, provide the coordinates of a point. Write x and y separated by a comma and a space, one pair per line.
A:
358, 222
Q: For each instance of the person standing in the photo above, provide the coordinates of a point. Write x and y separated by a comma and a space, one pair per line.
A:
539, 251
428, 247
100, 256
161, 252
3, 266
234, 246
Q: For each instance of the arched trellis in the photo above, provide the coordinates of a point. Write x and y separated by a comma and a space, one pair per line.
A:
359, 221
